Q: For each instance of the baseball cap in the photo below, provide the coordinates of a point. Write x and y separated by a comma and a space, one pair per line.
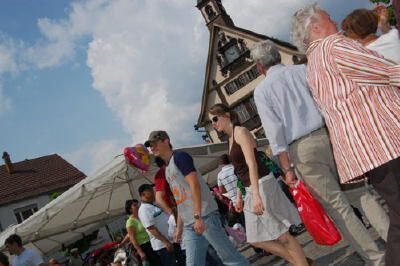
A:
145, 187
156, 136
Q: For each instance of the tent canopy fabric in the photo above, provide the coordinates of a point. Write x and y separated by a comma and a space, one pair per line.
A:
98, 199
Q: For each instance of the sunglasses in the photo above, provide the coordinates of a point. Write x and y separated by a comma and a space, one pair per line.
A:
214, 119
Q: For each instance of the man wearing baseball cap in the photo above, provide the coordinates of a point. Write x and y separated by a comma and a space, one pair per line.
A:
196, 206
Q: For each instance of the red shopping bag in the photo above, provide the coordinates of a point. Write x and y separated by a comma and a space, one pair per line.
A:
315, 219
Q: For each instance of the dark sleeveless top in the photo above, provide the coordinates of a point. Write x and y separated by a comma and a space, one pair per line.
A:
239, 162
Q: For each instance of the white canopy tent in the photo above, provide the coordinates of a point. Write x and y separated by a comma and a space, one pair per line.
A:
99, 199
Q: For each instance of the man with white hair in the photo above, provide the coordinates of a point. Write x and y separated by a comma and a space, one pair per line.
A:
298, 136
357, 92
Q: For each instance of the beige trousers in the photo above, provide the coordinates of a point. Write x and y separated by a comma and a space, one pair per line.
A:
314, 162
369, 205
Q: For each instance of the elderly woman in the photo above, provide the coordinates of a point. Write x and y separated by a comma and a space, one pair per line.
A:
357, 92
362, 24
266, 208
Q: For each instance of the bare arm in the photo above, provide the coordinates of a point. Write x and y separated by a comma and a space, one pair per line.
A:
285, 163
222, 189
239, 201
154, 231
132, 238
199, 225
162, 203
284, 160
179, 229
383, 23
126, 239
247, 143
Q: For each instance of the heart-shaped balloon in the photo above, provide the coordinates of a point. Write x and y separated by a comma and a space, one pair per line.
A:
138, 156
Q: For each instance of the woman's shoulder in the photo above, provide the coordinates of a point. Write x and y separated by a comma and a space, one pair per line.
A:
241, 130
241, 133
132, 221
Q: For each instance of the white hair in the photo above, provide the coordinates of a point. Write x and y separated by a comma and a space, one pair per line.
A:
301, 20
265, 53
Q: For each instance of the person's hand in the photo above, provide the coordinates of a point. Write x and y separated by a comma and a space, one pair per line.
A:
258, 206
383, 22
230, 207
142, 255
239, 205
169, 246
290, 179
199, 226
178, 236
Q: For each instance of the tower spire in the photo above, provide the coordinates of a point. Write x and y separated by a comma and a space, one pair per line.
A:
214, 12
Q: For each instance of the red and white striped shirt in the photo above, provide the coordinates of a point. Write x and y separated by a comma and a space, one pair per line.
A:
357, 92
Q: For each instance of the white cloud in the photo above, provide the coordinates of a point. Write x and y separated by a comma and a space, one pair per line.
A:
93, 155
270, 18
144, 61
8, 64
147, 57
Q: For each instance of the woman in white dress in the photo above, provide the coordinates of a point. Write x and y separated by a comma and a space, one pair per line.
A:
268, 212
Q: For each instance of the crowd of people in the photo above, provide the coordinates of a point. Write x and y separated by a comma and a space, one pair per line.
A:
334, 120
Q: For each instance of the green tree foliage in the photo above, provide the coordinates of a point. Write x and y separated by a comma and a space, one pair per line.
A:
54, 195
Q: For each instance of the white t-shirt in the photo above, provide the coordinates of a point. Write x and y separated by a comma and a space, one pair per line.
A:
28, 257
228, 179
387, 45
152, 215
172, 230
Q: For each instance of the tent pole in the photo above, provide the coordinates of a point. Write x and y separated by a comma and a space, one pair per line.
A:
130, 185
109, 232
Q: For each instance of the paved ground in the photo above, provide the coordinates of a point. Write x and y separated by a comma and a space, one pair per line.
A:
339, 254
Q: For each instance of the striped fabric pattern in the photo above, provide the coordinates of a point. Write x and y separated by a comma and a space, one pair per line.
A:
357, 92
228, 179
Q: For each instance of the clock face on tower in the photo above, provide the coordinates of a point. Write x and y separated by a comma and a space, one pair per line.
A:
231, 53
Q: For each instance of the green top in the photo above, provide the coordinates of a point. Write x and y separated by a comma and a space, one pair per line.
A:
140, 232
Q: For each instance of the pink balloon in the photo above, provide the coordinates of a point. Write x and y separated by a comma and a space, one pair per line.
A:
138, 156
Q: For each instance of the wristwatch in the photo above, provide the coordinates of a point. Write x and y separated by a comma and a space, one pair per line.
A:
291, 168
196, 216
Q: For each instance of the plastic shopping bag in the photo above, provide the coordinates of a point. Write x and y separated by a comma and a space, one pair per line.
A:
316, 220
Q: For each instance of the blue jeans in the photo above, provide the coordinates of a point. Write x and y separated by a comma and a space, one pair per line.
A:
196, 245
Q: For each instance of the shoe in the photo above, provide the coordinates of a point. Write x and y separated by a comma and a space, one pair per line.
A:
296, 230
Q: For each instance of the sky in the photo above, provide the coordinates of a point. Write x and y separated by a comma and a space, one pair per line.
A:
84, 79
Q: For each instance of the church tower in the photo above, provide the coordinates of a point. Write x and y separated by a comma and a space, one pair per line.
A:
231, 76
214, 12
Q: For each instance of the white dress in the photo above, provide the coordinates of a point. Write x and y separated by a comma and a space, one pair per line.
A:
278, 216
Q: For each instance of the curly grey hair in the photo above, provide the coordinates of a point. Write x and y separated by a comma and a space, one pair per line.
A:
265, 53
301, 20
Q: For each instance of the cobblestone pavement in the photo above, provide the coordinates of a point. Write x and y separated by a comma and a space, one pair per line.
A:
340, 254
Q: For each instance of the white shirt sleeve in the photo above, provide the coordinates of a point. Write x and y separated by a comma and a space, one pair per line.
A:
146, 216
219, 179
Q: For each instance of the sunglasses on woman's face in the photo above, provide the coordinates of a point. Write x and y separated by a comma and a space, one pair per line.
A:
214, 119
